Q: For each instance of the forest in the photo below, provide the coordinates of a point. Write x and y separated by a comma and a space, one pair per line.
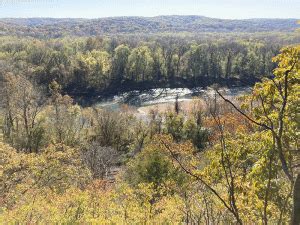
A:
55, 28
219, 161
104, 66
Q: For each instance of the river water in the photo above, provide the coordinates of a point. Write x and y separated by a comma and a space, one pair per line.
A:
140, 102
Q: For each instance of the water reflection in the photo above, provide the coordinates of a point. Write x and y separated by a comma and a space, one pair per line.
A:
157, 96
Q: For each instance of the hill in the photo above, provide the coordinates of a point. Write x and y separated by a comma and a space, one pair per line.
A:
52, 27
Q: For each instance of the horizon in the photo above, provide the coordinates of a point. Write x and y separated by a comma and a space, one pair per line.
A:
107, 17
93, 9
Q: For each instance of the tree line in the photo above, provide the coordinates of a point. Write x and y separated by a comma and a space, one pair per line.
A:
57, 28
106, 65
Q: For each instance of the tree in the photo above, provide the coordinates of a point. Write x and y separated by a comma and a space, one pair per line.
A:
64, 120
96, 67
140, 63
275, 111
153, 166
22, 103
57, 168
100, 160
113, 130
120, 59
168, 51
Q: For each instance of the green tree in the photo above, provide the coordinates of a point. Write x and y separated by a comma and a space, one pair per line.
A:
276, 111
140, 64
120, 59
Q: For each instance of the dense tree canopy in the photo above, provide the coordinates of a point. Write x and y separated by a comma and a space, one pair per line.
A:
51, 27
104, 66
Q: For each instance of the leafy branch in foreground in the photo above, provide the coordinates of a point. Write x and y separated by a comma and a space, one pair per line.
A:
277, 108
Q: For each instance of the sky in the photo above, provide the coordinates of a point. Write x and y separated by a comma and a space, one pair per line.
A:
225, 9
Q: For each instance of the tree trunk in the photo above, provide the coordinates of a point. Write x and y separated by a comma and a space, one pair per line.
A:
296, 199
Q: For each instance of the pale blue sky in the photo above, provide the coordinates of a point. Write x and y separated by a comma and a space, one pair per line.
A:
229, 9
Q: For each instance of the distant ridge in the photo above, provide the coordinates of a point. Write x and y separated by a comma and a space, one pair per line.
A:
56, 27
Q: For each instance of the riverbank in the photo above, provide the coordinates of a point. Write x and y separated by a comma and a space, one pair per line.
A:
142, 103
132, 89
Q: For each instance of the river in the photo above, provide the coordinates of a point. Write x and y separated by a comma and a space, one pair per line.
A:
161, 99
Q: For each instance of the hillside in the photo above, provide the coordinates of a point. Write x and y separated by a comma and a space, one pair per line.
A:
39, 27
